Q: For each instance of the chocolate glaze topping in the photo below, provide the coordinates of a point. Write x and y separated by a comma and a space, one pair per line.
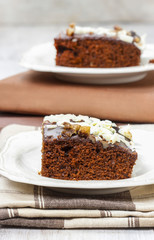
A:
70, 131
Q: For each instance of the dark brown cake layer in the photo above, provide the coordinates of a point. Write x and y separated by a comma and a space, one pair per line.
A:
74, 154
95, 52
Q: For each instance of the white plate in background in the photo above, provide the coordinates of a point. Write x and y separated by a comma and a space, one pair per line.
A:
20, 161
42, 58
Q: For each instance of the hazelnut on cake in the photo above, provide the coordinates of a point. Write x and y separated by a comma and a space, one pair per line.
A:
86, 148
86, 47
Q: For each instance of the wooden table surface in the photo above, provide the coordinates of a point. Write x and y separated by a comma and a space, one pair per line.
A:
6, 119
84, 234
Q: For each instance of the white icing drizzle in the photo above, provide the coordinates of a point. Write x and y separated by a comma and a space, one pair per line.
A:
99, 128
121, 34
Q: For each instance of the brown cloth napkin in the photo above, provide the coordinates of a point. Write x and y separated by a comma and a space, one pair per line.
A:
40, 93
34, 206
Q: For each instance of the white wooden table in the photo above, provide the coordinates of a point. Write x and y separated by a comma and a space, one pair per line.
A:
26, 234
13, 42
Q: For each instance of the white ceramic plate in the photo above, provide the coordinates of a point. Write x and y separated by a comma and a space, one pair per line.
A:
20, 161
42, 58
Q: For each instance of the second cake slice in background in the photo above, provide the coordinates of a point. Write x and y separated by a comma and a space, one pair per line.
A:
86, 47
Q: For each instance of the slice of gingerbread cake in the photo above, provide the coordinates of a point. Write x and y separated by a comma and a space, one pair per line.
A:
86, 47
86, 148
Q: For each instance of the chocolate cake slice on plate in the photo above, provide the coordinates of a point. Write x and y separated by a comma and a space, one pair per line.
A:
86, 148
86, 47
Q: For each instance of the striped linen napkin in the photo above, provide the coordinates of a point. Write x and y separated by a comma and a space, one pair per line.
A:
34, 206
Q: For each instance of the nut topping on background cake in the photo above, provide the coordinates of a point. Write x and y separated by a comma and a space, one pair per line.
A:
72, 25
117, 28
136, 38
70, 30
117, 32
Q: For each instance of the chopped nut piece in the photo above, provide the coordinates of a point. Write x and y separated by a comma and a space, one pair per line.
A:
126, 134
76, 127
117, 28
68, 132
92, 138
67, 125
72, 25
70, 31
84, 131
136, 39
70, 129
129, 34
